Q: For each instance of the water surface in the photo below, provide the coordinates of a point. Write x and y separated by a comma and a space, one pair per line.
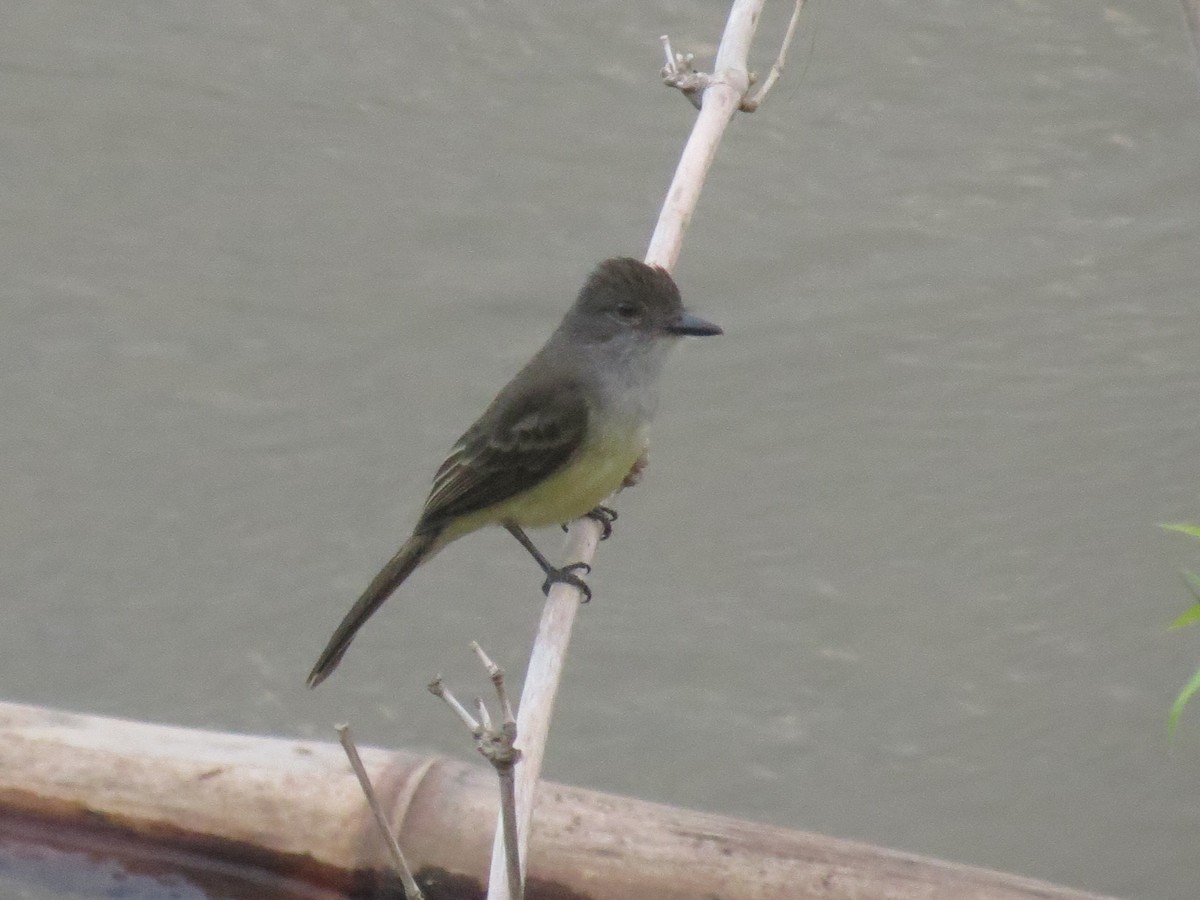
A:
894, 574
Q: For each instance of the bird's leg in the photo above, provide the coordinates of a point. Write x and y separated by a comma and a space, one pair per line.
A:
554, 575
604, 515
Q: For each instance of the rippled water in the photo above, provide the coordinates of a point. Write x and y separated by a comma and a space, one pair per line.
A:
895, 573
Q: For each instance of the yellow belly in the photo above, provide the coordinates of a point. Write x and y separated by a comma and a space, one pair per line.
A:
597, 471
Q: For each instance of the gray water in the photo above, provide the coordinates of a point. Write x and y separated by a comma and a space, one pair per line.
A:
895, 572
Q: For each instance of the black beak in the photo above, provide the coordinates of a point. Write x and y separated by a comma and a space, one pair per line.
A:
686, 323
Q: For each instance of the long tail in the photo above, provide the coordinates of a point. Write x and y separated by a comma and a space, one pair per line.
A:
415, 551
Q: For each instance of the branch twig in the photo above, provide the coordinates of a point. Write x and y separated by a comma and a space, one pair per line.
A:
750, 104
680, 73
496, 746
411, 889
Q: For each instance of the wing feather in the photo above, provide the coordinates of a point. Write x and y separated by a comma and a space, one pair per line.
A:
522, 438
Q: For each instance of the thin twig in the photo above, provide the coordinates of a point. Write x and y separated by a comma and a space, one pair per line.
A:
750, 104
728, 88
411, 889
438, 688
496, 745
512, 847
681, 74
497, 675
670, 54
506, 774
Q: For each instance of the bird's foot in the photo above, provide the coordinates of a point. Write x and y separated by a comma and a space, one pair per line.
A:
605, 516
566, 575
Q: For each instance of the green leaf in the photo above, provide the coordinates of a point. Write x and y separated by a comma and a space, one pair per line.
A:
1182, 528
1181, 701
1188, 618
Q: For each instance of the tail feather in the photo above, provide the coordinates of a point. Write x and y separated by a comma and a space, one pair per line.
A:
415, 551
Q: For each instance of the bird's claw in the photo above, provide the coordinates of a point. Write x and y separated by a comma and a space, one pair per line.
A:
566, 575
605, 516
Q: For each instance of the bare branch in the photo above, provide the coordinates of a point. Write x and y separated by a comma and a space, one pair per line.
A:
496, 745
726, 90
512, 847
497, 675
438, 688
750, 104
411, 889
680, 73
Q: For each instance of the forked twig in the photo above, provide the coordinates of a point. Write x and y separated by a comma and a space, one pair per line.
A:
680, 73
750, 104
495, 744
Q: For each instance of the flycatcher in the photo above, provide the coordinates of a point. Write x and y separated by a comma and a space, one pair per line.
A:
558, 439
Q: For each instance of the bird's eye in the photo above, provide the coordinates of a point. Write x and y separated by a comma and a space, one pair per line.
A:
627, 312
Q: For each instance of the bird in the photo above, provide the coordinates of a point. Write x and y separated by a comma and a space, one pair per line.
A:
560, 437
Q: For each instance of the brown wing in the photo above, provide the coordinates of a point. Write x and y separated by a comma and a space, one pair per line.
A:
524, 436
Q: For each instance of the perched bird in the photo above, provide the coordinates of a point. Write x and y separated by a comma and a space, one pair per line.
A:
559, 438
